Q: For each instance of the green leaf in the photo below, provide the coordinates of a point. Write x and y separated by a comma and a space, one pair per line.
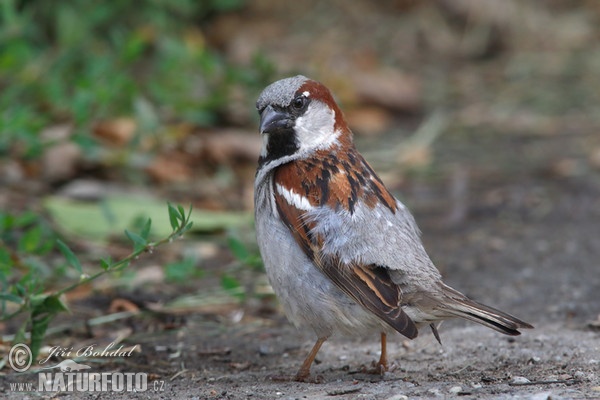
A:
27, 218
183, 270
106, 263
233, 286
145, 233
173, 217
44, 303
228, 282
138, 241
45, 308
39, 326
20, 334
238, 249
20, 289
84, 218
69, 255
181, 212
11, 297
31, 240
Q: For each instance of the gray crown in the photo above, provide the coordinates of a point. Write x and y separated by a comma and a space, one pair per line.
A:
280, 93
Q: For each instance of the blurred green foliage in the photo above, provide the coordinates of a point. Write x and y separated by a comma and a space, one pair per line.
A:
79, 61
26, 239
24, 291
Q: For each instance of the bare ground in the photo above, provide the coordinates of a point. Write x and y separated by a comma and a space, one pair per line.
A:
523, 237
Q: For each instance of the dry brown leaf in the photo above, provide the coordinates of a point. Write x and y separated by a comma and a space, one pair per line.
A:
370, 121
566, 167
116, 132
118, 305
415, 156
388, 88
60, 161
227, 146
149, 274
594, 157
240, 366
170, 168
80, 292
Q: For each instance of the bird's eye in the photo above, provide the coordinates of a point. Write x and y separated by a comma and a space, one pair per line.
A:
299, 102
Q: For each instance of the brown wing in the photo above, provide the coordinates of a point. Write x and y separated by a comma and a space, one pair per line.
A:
369, 285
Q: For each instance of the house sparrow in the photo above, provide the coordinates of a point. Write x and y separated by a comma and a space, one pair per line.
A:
341, 252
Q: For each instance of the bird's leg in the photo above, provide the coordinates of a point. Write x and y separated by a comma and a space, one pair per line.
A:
382, 364
303, 374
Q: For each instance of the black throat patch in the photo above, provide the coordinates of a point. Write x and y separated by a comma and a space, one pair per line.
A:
280, 144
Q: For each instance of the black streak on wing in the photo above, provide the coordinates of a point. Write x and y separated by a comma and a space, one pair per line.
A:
372, 288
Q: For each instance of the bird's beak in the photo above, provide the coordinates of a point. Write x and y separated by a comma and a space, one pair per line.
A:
273, 121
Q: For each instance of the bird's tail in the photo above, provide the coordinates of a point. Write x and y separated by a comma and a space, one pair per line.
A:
458, 305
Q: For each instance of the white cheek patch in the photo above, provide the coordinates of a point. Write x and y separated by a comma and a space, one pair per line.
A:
293, 198
315, 129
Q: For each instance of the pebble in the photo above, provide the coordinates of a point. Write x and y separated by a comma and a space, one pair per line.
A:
520, 380
398, 397
455, 389
579, 375
543, 396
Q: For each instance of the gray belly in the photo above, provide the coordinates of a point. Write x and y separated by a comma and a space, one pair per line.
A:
308, 297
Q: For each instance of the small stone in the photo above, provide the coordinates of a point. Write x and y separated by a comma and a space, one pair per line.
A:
455, 389
520, 380
435, 392
264, 350
398, 397
543, 396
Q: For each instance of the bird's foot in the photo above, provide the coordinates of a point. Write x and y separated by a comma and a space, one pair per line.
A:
309, 378
379, 368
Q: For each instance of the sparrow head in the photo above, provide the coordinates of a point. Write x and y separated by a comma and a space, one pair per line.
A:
298, 116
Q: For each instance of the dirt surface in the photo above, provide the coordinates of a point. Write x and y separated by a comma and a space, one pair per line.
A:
527, 242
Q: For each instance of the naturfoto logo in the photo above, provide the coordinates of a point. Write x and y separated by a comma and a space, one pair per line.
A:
71, 376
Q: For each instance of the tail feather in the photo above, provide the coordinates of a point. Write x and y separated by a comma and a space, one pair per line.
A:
462, 306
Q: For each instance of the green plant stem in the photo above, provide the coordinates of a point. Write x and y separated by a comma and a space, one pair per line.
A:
180, 229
